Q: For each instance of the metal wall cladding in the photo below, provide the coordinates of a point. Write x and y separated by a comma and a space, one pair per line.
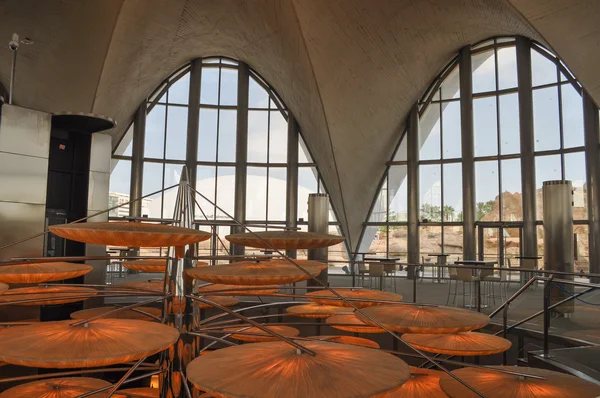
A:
20, 221
100, 154
23, 178
25, 131
98, 191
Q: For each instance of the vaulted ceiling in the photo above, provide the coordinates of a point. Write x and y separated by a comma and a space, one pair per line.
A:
348, 70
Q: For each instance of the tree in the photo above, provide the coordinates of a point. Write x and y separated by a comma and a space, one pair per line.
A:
431, 213
459, 216
484, 208
448, 213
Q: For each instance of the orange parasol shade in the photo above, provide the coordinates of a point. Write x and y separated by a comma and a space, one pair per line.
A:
235, 290
101, 342
154, 285
286, 331
130, 234
276, 369
361, 298
424, 319
123, 314
285, 240
67, 387
225, 301
254, 273
142, 392
423, 383
42, 272
153, 265
499, 385
49, 295
348, 340
466, 344
317, 310
350, 323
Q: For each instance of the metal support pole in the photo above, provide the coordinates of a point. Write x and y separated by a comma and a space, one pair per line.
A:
412, 154
241, 154
191, 155
137, 160
547, 292
414, 279
527, 147
291, 214
14, 47
468, 152
505, 331
592, 165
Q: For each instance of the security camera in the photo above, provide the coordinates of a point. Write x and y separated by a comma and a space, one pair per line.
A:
14, 43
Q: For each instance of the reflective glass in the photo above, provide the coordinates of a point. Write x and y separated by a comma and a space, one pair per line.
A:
277, 138
452, 184
257, 96
451, 139
512, 194
486, 191
303, 155
176, 132
547, 168
258, 136
575, 171
227, 134
379, 212
179, 92
429, 133
430, 185
126, 144
155, 133
225, 192
152, 182
256, 193
507, 68
209, 86
450, 87
485, 126
277, 193
205, 184
229, 81
572, 113
484, 72
207, 135
509, 124
307, 184
172, 177
543, 71
397, 193
546, 125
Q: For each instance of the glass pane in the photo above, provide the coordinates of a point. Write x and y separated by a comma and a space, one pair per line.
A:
227, 134
582, 252
431, 242
124, 148
307, 184
451, 130
485, 126
209, 86
547, 168
155, 133
379, 213
575, 172
303, 155
179, 92
572, 113
507, 68
543, 71
486, 191
453, 243
256, 194
450, 87
257, 96
277, 138
398, 241
277, 193
484, 72
152, 182
400, 154
546, 126
225, 191
512, 201
509, 124
429, 130
172, 177
398, 192
258, 138
430, 192
120, 179
452, 192
374, 241
207, 135
176, 132
205, 184
229, 78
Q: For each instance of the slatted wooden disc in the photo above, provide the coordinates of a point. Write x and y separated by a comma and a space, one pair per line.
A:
261, 335
500, 385
423, 383
153, 265
142, 392
424, 319
276, 370
50, 295
285, 240
129, 234
348, 340
361, 298
123, 314
314, 310
150, 286
42, 272
67, 387
467, 344
236, 290
102, 342
3, 287
350, 323
253, 273
225, 301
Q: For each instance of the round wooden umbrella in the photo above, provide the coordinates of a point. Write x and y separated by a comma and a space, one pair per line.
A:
235, 290
3, 287
500, 385
260, 335
225, 301
276, 369
285, 240
153, 265
423, 383
424, 319
67, 387
142, 392
101, 342
129, 234
253, 273
42, 272
361, 298
49, 295
313, 310
466, 344
348, 340
154, 285
350, 323
123, 314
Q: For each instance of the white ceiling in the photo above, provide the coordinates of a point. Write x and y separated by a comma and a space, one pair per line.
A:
349, 70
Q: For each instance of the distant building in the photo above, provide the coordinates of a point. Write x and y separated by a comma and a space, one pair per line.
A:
116, 198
